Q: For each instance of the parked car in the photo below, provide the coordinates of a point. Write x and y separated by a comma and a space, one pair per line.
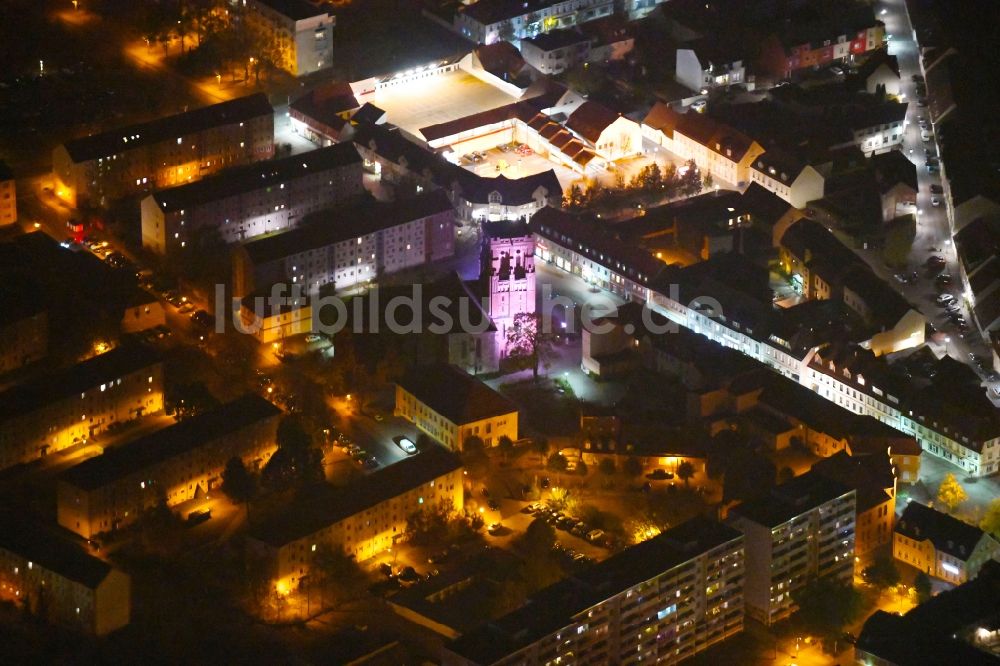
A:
202, 318
944, 298
933, 168
312, 337
495, 529
934, 200
595, 535
406, 445
659, 475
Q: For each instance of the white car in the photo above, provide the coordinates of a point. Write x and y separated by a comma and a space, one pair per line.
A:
407, 445
935, 201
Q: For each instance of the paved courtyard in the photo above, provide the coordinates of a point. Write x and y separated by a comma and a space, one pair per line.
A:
437, 99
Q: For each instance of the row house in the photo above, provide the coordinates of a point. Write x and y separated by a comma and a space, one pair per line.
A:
662, 601
851, 34
350, 245
57, 410
253, 200
489, 21
168, 467
363, 519
138, 159
59, 581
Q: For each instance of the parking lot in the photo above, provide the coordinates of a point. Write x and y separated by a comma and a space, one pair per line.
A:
437, 99
513, 164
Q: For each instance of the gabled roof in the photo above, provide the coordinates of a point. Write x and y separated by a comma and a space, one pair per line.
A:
512, 191
501, 59
869, 475
168, 128
662, 117
455, 394
875, 60
590, 119
523, 110
19, 534
368, 114
326, 103
191, 433
949, 535
257, 176
894, 167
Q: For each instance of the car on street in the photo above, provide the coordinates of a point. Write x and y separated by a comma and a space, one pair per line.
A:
937, 189
935, 201
185, 308
933, 168
312, 337
925, 135
942, 299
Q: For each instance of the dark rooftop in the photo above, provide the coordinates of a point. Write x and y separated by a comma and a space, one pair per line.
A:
454, 394
117, 141
47, 389
336, 504
554, 607
590, 119
20, 535
172, 441
948, 534
792, 498
297, 10
556, 39
253, 177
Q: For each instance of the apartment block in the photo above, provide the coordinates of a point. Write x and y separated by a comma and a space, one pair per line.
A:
128, 161
8, 196
57, 410
489, 21
802, 530
660, 601
451, 406
363, 518
940, 545
555, 52
57, 580
173, 465
253, 200
301, 30
873, 478
24, 331
350, 245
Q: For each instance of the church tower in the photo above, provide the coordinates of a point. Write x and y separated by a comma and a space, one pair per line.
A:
508, 269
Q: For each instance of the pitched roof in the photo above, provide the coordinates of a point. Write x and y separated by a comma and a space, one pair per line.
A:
324, 104
894, 167
512, 191
454, 394
167, 128
326, 227
875, 60
257, 176
662, 117
336, 504
145, 452
590, 119
20, 535
949, 535
49, 388
523, 110
501, 59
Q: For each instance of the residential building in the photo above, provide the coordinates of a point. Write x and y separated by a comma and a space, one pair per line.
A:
801, 530
896, 176
940, 545
955, 626
662, 600
613, 135
873, 479
24, 332
142, 312
181, 462
364, 518
301, 31
253, 200
350, 245
169, 151
271, 324
789, 177
710, 63
57, 410
611, 38
556, 51
59, 581
8, 196
451, 406
724, 152
880, 73
488, 21
977, 239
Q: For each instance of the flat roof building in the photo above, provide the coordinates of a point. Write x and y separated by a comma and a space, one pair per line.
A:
661, 601
301, 30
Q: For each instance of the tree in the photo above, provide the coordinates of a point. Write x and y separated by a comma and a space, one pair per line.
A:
506, 446
632, 467
691, 180
707, 182
238, 483
607, 466
527, 341
826, 606
581, 468
336, 571
296, 462
474, 455
951, 493
559, 499
541, 446
922, 586
882, 573
539, 538
991, 519
685, 471
556, 463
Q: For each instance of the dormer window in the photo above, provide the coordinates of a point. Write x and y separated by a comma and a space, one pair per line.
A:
861, 380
